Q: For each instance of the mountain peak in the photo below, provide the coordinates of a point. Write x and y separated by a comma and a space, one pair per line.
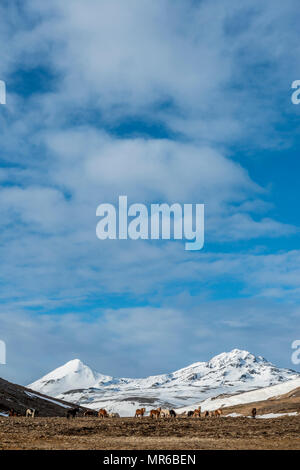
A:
225, 358
73, 374
73, 364
237, 357
237, 353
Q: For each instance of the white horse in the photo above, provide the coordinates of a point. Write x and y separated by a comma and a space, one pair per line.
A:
30, 413
113, 415
165, 413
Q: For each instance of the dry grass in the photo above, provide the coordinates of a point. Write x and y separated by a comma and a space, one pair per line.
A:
130, 433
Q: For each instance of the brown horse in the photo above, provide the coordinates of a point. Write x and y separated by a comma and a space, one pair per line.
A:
218, 413
102, 413
253, 412
197, 413
155, 413
140, 412
12, 412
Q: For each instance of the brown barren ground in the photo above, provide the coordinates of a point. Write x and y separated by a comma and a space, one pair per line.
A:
131, 433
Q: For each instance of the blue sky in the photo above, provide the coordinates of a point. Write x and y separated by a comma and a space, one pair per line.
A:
164, 101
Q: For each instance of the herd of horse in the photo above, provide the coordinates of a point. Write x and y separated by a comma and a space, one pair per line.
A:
154, 413
30, 412
139, 413
166, 413
158, 413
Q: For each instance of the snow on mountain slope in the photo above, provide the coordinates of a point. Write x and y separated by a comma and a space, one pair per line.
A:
247, 397
227, 373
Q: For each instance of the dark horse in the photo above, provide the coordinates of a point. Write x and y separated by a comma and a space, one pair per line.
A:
253, 412
72, 412
90, 413
173, 414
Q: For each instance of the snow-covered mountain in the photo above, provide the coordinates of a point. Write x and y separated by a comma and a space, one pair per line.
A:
72, 375
227, 373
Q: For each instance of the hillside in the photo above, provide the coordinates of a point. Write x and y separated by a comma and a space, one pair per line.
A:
281, 398
20, 398
281, 405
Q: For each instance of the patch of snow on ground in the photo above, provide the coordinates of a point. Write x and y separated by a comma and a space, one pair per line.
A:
48, 399
246, 397
276, 415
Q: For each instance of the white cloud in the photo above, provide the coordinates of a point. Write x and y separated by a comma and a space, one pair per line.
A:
216, 70
210, 77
